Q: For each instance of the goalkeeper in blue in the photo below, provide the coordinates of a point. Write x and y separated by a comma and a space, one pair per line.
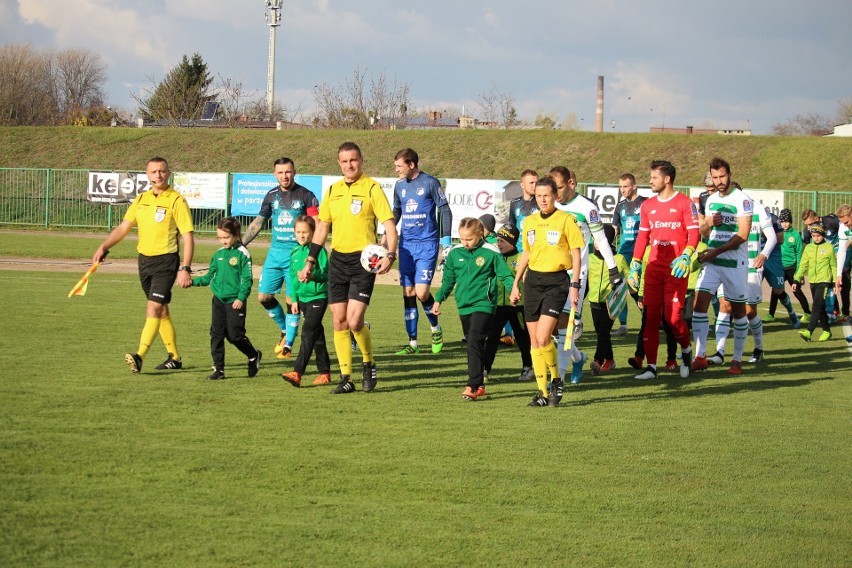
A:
425, 222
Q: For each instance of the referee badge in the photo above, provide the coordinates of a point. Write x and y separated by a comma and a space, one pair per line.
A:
355, 206
531, 237
233, 261
552, 237
160, 215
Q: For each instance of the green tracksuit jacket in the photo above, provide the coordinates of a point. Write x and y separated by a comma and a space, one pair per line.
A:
229, 276
474, 275
318, 286
791, 248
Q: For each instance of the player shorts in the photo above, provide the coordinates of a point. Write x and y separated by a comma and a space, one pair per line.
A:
584, 278
733, 278
545, 293
276, 271
157, 274
347, 279
773, 271
417, 262
754, 288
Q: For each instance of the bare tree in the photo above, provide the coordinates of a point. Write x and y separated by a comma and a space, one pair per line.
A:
498, 108
489, 107
26, 86
811, 124
354, 106
79, 77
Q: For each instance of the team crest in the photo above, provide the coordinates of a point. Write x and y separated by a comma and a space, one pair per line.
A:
160, 215
233, 261
594, 217
296, 204
552, 237
479, 261
420, 191
356, 206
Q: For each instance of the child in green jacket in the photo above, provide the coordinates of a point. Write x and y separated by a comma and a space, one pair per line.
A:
230, 279
312, 299
475, 266
819, 263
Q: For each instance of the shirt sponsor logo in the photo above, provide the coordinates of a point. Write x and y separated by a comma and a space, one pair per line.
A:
410, 206
666, 225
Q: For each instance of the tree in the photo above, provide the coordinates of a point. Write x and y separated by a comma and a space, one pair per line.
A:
811, 124
353, 105
498, 108
571, 122
546, 121
79, 77
181, 94
26, 96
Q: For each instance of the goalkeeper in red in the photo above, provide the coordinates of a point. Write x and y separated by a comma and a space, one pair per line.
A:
668, 221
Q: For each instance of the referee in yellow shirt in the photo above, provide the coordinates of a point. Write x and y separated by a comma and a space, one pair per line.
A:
161, 214
552, 243
353, 206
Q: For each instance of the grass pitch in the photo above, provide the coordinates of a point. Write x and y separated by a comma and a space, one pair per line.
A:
100, 467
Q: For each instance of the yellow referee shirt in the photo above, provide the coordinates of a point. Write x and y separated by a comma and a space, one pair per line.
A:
549, 241
160, 218
354, 210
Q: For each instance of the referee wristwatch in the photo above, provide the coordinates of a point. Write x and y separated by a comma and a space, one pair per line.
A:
575, 285
185, 267
392, 256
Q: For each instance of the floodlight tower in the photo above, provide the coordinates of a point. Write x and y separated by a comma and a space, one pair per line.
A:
273, 20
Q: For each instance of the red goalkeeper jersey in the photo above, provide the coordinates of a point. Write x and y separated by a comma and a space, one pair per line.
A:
669, 227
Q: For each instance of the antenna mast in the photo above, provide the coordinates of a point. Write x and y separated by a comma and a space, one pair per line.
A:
273, 20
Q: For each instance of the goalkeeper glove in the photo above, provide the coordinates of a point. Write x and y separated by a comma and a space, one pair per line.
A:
635, 274
615, 277
680, 265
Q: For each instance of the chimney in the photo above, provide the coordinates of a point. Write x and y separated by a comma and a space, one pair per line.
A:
599, 117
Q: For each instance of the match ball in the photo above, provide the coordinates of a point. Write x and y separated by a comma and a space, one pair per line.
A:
371, 256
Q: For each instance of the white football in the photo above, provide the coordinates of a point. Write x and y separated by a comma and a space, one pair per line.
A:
371, 256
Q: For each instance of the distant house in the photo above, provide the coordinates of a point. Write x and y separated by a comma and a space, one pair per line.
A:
842, 129
691, 130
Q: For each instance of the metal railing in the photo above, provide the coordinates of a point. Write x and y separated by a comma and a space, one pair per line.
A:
55, 198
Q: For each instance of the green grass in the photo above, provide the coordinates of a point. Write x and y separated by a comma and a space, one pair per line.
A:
101, 468
802, 163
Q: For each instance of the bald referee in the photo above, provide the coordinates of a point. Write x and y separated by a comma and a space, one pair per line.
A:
162, 215
355, 206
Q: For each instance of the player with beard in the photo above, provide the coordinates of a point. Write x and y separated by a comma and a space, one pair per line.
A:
669, 224
726, 227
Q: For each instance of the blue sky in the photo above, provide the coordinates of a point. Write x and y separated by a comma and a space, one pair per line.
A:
726, 64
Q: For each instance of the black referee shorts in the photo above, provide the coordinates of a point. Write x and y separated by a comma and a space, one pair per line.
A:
157, 274
545, 294
347, 279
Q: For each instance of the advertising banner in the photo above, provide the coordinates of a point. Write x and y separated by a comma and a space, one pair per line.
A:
248, 190
202, 190
115, 187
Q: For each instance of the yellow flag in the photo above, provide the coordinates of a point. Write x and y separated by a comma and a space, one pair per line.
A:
80, 287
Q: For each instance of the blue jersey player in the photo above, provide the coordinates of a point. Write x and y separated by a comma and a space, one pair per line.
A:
281, 205
625, 220
425, 221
